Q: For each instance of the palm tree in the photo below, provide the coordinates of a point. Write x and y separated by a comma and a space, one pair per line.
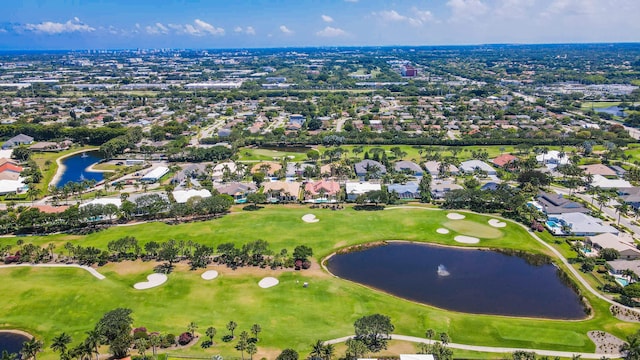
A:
93, 341
8, 356
328, 351
317, 349
33, 192
255, 330
154, 341
444, 338
60, 342
31, 348
251, 350
622, 209
631, 349
192, 327
210, 332
231, 326
429, 334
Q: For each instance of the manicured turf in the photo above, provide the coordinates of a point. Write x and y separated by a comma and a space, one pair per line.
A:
49, 301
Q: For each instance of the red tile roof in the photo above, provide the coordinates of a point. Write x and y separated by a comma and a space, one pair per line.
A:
504, 159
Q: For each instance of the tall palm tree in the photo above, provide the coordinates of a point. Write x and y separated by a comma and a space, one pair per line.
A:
31, 348
622, 209
631, 349
60, 342
93, 341
328, 351
317, 349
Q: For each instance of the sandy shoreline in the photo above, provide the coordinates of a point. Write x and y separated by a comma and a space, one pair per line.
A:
61, 167
18, 332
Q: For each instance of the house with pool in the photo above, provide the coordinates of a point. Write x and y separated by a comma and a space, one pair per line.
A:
623, 243
619, 268
578, 224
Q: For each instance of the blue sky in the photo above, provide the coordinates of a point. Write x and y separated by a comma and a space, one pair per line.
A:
100, 24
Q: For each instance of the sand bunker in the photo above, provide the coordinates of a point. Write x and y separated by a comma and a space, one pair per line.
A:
497, 223
442, 231
153, 280
466, 239
268, 282
209, 275
455, 216
310, 218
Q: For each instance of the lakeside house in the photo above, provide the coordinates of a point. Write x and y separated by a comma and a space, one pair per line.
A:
578, 224
553, 204
20, 139
622, 243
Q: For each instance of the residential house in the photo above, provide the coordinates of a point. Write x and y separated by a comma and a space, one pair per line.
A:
278, 191
297, 169
48, 146
605, 183
408, 191
321, 191
578, 224
369, 167
17, 140
9, 170
470, 166
553, 204
599, 169
182, 196
237, 190
355, 189
223, 169
619, 267
623, 243
552, 158
409, 167
268, 168
504, 161
434, 168
440, 188
297, 119
630, 196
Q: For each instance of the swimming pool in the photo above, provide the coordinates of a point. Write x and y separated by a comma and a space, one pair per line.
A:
622, 281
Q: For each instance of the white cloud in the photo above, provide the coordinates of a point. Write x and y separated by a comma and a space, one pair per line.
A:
514, 9
198, 28
416, 18
156, 29
249, 30
331, 32
49, 27
466, 9
285, 30
326, 18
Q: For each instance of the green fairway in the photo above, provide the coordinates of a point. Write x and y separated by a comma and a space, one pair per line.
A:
47, 301
598, 104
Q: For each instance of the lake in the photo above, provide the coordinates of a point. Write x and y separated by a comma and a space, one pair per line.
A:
75, 168
465, 280
11, 342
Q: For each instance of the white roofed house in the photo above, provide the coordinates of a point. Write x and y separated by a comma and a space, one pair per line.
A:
552, 158
182, 196
355, 189
471, 166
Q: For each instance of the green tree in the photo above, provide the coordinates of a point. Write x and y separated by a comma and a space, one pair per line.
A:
8, 356
242, 343
231, 326
251, 349
631, 349
288, 354
60, 342
191, 328
425, 188
210, 332
255, 330
374, 331
609, 254
115, 328
31, 348
316, 349
356, 348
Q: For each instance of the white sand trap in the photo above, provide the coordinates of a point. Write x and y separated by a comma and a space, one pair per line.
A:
310, 218
268, 282
209, 275
455, 216
466, 239
497, 223
442, 231
153, 280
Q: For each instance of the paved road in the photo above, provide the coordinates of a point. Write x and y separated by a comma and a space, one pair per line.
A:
490, 349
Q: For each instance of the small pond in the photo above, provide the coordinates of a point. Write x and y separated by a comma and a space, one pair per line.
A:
465, 280
76, 168
613, 110
11, 342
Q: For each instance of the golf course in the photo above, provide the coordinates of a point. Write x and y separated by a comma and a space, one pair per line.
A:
48, 301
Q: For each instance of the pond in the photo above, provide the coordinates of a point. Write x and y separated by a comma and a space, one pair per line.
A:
465, 280
11, 342
76, 168
613, 110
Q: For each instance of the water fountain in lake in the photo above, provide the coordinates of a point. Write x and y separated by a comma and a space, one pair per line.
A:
442, 271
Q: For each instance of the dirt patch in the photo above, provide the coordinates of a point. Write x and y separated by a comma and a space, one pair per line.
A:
131, 267
339, 244
624, 314
605, 342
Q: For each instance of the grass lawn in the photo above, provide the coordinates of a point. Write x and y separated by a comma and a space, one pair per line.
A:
248, 154
48, 301
598, 104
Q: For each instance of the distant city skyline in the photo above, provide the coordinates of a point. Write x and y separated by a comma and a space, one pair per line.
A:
109, 24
